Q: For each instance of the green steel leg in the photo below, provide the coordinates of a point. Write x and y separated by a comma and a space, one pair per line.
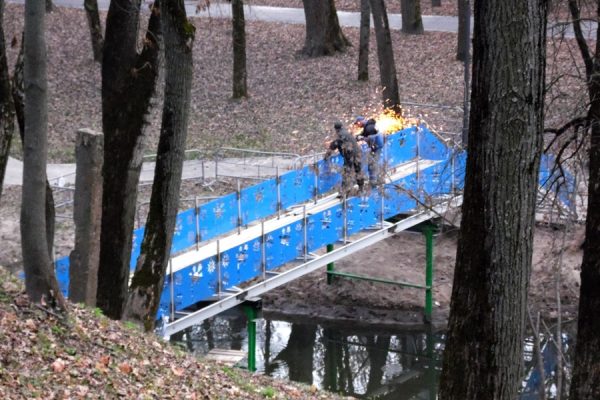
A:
251, 316
428, 232
330, 266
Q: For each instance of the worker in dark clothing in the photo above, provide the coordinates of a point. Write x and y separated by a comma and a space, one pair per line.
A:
374, 139
345, 143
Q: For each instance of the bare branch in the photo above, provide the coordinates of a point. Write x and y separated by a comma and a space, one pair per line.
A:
581, 42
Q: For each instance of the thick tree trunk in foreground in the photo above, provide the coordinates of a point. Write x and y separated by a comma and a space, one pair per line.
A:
128, 83
40, 281
147, 283
365, 33
7, 107
93, 18
385, 54
240, 87
585, 384
483, 354
324, 35
411, 17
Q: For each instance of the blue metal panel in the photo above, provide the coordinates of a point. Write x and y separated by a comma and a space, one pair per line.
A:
460, 162
401, 146
259, 201
353, 217
284, 244
297, 186
325, 227
430, 146
552, 179
400, 196
248, 258
136, 246
185, 231
62, 274
218, 216
329, 174
190, 285
229, 271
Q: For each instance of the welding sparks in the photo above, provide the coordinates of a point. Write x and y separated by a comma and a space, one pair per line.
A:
389, 122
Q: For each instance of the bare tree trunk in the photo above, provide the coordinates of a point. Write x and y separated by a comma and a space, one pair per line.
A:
240, 88
483, 355
18, 95
464, 27
585, 384
365, 33
128, 83
7, 107
385, 54
324, 35
147, 283
40, 281
411, 17
93, 18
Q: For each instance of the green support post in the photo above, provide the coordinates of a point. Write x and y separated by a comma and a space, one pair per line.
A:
330, 266
251, 316
428, 232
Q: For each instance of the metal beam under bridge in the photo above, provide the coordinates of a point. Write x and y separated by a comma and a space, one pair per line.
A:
258, 289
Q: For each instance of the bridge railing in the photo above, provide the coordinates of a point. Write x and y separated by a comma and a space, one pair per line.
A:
250, 205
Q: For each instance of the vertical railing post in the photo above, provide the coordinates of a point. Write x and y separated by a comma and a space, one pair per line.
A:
251, 317
316, 188
428, 232
278, 183
239, 207
219, 281
345, 208
172, 289
263, 250
305, 222
418, 186
197, 212
330, 266
381, 193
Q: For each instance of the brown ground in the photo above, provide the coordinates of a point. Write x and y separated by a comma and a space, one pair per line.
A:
293, 102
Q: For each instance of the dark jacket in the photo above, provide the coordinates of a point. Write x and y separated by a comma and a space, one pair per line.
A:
346, 144
372, 136
369, 129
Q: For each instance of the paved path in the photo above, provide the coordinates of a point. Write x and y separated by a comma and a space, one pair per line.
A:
254, 167
432, 23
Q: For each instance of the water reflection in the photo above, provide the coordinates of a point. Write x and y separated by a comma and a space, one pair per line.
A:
361, 363
364, 364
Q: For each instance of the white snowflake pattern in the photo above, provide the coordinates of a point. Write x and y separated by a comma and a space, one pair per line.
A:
211, 266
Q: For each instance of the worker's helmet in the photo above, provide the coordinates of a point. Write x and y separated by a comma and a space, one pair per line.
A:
360, 120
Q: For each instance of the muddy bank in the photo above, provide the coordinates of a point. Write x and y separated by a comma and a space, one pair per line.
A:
402, 258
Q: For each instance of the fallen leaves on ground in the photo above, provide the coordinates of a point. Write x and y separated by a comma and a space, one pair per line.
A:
85, 355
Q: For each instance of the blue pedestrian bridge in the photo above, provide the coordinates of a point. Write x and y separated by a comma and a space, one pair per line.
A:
231, 249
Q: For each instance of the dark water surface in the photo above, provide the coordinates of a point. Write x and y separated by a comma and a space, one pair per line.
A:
373, 364
377, 364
